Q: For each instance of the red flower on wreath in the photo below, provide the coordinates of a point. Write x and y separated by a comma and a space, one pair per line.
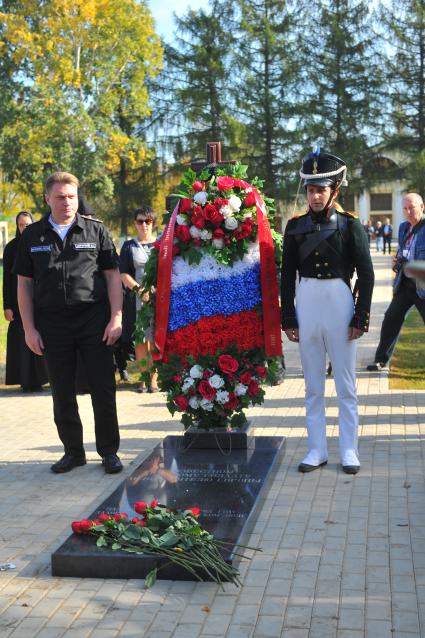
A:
253, 388
185, 205
183, 233
211, 214
206, 390
197, 218
227, 363
198, 186
245, 378
181, 402
225, 183
232, 403
249, 200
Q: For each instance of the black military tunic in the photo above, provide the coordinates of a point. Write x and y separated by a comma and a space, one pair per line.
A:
71, 311
327, 248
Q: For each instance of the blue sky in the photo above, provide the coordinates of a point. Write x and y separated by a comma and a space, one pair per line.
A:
162, 11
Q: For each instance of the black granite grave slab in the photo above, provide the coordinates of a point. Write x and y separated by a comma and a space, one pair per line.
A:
218, 438
228, 486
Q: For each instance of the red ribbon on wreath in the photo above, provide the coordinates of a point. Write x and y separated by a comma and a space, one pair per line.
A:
268, 276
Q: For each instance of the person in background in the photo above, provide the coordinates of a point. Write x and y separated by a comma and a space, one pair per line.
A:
370, 231
81, 379
133, 257
407, 293
70, 300
23, 367
379, 236
387, 235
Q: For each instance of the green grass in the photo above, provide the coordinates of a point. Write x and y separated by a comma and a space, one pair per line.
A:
407, 371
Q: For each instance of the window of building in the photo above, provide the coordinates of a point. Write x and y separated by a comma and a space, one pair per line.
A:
381, 201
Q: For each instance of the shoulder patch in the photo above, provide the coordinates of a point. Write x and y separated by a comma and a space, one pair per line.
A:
92, 219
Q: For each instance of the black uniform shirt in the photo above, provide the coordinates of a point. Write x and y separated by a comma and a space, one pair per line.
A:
344, 249
70, 272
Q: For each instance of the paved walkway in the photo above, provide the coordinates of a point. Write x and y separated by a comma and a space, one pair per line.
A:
342, 556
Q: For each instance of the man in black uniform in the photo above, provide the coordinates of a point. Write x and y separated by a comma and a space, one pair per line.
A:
324, 247
70, 298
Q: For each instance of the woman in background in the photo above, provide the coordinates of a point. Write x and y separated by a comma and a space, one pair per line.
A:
133, 257
23, 367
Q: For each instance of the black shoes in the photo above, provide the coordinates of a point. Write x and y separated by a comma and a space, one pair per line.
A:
305, 467
377, 367
112, 464
67, 463
123, 375
350, 469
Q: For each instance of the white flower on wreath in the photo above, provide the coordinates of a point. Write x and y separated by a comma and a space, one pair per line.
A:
226, 211
231, 223
201, 198
234, 203
240, 390
217, 243
206, 405
205, 234
195, 232
187, 384
194, 403
196, 371
222, 396
182, 220
216, 381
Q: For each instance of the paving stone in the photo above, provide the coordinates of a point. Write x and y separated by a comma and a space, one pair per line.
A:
338, 551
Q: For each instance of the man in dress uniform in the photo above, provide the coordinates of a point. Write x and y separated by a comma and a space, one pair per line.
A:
324, 247
70, 298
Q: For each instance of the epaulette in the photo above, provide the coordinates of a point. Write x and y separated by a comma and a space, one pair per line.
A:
299, 215
93, 219
339, 209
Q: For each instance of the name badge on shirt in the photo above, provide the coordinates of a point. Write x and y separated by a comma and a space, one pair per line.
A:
40, 249
85, 246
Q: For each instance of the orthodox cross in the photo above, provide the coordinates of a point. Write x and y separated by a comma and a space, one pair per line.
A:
213, 159
212, 162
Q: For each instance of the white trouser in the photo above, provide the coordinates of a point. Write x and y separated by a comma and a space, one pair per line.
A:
324, 312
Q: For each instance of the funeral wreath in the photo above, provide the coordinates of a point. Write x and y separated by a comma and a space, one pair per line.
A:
212, 358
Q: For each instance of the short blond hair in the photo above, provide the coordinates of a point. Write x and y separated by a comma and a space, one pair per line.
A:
60, 177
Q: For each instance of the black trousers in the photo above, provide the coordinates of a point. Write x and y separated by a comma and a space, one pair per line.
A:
403, 300
65, 332
387, 242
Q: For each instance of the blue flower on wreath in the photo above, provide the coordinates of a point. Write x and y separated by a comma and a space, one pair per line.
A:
193, 301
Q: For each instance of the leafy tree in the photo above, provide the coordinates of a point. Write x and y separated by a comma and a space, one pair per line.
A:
403, 27
268, 95
81, 68
342, 81
198, 80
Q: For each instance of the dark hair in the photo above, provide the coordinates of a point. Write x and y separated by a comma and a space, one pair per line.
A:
146, 211
84, 207
25, 213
